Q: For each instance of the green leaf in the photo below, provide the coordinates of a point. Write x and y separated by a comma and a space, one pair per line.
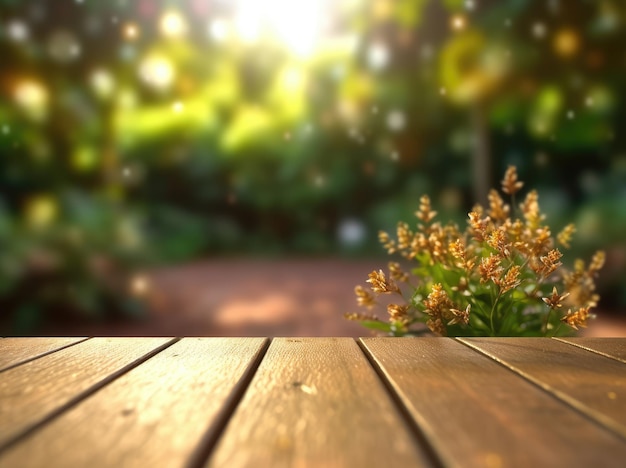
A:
376, 325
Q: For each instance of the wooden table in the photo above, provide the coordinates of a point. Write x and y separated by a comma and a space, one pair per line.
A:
320, 402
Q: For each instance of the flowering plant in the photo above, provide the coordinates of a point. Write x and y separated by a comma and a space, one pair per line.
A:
502, 276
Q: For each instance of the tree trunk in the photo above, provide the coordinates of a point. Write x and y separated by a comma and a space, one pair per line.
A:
481, 157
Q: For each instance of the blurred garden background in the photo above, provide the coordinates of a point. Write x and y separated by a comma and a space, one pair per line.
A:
191, 163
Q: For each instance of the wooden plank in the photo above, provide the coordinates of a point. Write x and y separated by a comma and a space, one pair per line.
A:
476, 413
590, 382
15, 351
37, 390
317, 402
611, 347
593, 384
154, 415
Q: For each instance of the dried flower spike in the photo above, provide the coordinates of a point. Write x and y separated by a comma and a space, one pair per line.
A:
490, 268
498, 210
397, 273
510, 280
425, 212
479, 226
460, 316
577, 319
555, 300
380, 284
565, 236
597, 261
364, 298
388, 244
398, 313
510, 184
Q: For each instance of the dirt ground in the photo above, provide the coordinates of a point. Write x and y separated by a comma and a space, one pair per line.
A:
248, 297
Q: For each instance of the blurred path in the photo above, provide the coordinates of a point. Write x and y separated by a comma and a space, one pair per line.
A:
247, 297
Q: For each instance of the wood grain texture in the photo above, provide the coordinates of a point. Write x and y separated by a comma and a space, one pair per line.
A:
14, 351
33, 391
612, 347
316, 402
594, 384
477, 413
154, 415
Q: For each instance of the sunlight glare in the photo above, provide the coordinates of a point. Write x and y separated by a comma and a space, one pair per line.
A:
296, 24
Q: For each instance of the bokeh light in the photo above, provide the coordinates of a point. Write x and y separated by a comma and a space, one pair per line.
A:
566, 42
157, 71
173, 24
32, 97
41, 210
458, 22
102, 83
63, 46
17, 30
131, 31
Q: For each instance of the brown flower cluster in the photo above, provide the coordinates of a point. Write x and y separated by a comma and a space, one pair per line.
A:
471, 279
578, 318
442, 310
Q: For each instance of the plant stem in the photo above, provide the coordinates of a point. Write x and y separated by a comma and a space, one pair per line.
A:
547, 322
556, 330
491, 314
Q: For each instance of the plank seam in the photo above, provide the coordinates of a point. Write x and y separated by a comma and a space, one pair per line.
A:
592, 350
594, 416
45, 353
26, 432
213, 433
435, 457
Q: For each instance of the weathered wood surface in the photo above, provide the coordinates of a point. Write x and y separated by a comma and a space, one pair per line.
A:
37, 390
16, 351
476, 412
612, 347
157, 412
231, 402
317, 402
593, 384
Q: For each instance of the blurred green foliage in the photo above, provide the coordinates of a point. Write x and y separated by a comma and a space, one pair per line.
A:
138, 133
